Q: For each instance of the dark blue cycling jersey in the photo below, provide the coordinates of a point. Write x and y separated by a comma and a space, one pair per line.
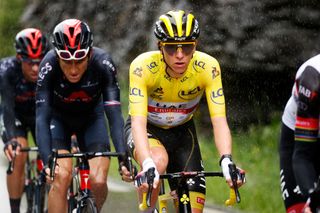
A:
76, 106
18, 98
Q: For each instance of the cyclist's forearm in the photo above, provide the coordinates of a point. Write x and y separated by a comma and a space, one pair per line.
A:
43, 137
139, 133
222, 135
116, 124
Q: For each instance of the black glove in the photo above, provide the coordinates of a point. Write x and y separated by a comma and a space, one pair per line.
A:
126, 161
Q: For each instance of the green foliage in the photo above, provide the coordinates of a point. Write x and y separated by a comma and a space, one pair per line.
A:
10, 11
256, 151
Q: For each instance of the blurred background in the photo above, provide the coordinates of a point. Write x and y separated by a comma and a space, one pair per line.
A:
259, 44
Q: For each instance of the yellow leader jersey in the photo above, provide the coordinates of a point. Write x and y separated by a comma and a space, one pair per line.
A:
167, 101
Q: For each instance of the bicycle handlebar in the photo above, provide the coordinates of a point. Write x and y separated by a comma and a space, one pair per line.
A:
234, 195
82, 155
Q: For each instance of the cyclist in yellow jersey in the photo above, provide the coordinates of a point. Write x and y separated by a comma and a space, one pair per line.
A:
166, 87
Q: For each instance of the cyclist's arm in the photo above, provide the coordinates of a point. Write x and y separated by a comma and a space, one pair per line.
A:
140, 138
8, 102
306, 130
222, 136
43, 110
138, 109
216, 105
112, 105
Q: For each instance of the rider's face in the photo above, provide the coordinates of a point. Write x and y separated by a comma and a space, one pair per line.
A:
177, 56
30, 70
74, 69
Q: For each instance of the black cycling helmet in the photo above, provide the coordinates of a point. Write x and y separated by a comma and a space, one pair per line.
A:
30, 43
72, 35
177, 26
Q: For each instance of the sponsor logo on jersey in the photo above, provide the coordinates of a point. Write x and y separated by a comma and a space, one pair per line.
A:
89, 84
79, 96
26, 96
190, 94
136, 92
43, 71
304, 91
171, 109
109, 64
137, 71
168, 77
152, 67
200, 200
215, 72
40, 101
157, 93
217, 96
184, 79
198, 64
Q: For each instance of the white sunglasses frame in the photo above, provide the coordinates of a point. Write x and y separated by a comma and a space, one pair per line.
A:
72, 55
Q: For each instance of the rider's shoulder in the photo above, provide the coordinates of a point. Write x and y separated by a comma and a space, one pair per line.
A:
311, 62
204, 57
9, 65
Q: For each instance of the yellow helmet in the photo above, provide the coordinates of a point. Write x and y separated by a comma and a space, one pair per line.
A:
177, 26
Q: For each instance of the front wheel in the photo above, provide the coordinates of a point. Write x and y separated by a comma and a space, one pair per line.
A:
29, 191
87, 206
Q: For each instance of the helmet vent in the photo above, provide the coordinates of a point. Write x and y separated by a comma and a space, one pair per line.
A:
71, 31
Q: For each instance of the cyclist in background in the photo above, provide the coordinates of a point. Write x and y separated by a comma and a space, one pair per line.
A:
300, 139
166, 87
77, 86
19, 76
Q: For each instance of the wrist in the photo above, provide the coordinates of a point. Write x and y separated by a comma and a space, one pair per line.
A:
148, 163
225, 156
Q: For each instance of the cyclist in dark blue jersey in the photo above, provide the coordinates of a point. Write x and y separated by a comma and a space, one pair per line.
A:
77, 86
18, 81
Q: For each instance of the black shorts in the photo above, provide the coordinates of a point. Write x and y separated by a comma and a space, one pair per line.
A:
182, 147
91, 131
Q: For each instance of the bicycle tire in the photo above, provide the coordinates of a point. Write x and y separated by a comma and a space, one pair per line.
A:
29, 192
40, 198
87, 206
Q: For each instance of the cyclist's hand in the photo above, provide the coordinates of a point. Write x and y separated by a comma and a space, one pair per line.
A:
241, 177
126, 169
125, 174
11, 148
239, 174
47, 173
148, 164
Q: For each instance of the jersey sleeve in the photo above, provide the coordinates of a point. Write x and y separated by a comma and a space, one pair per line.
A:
43, 109
8, 102
213, 89
307, 120
111, 101
138, 97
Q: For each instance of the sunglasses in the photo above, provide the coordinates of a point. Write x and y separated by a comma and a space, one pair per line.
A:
30, 60
172, 47
77, 55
